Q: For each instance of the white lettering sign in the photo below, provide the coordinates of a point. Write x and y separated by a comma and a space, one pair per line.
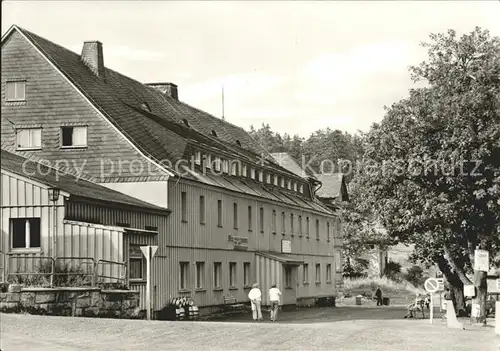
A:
286, 246
469, 291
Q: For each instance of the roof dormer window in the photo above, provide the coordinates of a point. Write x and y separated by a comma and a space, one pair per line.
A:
234, 168
268, 178
289, 185
282, 183
261, 176
238, 143
275, 180
301, 188
208, 161
244, 171
225, 166
217, 164
294, 186
197, 158
214, 133
186, 123
145, 106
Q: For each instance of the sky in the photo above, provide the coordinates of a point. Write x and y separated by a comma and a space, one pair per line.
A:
298, 66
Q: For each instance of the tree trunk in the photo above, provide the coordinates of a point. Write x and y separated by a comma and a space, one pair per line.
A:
458, 298
481, 285
456, 285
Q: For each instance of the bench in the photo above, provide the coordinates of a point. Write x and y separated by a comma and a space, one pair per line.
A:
230, 304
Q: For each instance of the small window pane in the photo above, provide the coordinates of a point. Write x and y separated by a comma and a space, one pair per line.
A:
80, 136
29, 138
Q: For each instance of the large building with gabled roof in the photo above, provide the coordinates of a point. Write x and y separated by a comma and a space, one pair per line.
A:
237, 216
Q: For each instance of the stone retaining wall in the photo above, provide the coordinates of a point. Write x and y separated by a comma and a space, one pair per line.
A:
87, 302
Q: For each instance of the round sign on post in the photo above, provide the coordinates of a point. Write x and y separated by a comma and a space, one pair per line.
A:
431, 285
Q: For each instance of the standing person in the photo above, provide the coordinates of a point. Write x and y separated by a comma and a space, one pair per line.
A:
255, 297
274, 298
378, 296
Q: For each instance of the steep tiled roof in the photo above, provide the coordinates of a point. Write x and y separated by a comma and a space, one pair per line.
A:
160, 132
68, 182
333, 186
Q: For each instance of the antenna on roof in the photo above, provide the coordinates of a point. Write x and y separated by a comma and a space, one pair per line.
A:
223, 102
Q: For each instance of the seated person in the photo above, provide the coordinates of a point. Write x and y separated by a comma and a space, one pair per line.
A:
415, 306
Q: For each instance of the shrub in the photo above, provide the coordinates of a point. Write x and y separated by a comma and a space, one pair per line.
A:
415, 275
66, 275
393, 270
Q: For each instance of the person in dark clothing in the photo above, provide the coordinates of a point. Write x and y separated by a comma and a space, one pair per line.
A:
378, 296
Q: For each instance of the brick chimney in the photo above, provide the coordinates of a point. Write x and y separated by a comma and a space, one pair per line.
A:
93, 57
169, 89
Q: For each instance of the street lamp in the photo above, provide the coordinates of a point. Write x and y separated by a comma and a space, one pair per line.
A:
54, 197
54, 194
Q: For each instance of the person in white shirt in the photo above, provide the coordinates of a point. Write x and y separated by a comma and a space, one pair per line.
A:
274, 298
255, 297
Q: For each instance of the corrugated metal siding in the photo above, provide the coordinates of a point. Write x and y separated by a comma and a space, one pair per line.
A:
268, 272
24, 199
191, 233
86, 212
95, 241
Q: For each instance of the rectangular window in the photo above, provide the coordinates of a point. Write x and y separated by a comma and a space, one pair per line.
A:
306, 273
328, 231
208, 161
184, 275
288, 277
318, 273
232, 274
29, 138
235, 215
308, 229
268, 178
202, 209
291, 223
317, 229
261, 176
137, 263
276, 180
234, 168
183, 206
329, 272
250, 218
217, 274
225, 166
294, 186
73, 136
200, 275
244, 172
283, 222
261, 220
25, 233
300, 225
219, 213
15, 91
252, 173
301, 189
289, 185
197, 158
273, 222
282, 182
217, 164
246, 274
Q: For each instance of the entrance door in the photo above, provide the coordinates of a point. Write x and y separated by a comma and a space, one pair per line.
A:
289, 289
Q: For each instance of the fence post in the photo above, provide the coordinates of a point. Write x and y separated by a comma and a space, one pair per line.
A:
52, 271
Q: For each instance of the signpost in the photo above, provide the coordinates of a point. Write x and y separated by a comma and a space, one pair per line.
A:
432, 285
148, 252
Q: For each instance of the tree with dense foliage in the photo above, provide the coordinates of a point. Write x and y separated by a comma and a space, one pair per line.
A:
432, 166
